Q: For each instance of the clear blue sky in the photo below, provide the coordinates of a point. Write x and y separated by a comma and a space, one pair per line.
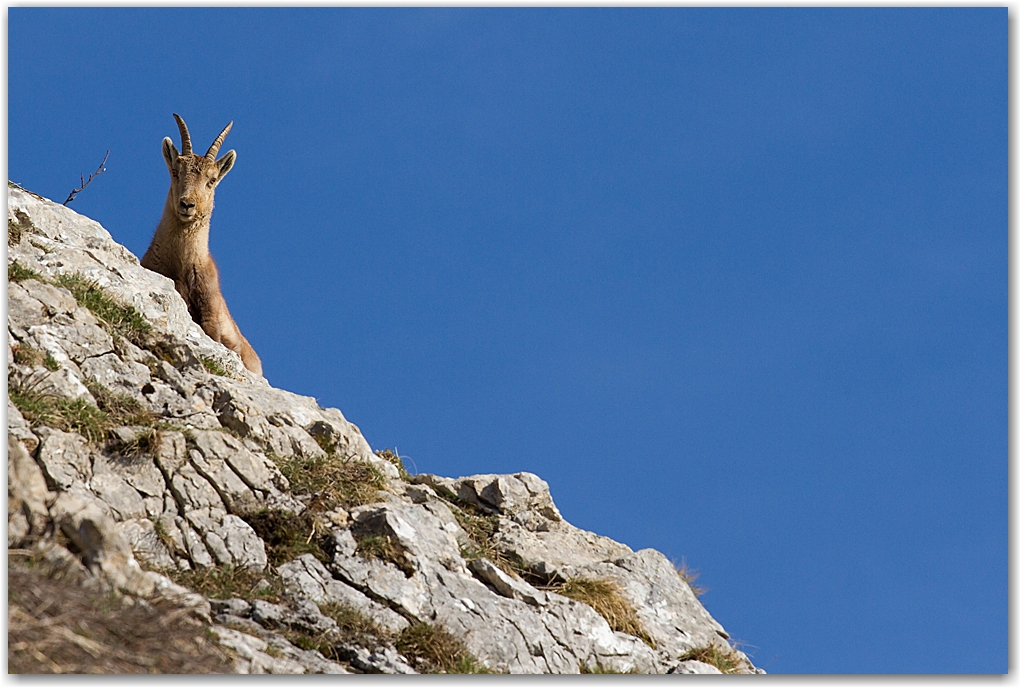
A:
733, 281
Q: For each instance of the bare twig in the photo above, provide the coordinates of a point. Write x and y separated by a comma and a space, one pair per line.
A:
84, 183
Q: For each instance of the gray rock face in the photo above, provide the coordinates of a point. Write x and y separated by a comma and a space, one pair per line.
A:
308, 578
483, 557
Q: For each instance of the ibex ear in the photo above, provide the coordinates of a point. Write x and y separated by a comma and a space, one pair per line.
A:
169, 153
225, 163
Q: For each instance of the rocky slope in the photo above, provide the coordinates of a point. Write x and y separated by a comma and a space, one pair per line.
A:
146, 462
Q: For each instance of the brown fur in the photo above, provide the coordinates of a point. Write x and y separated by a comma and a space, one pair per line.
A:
180, 247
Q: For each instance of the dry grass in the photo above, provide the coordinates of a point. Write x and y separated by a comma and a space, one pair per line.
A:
354, 627
689, 576
606, 598
726, 660
384, 548
432, 649
287, 535
332, 480
231, 582
60, 627
388, 455
146, 442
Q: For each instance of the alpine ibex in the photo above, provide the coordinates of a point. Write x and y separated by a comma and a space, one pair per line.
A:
180, 248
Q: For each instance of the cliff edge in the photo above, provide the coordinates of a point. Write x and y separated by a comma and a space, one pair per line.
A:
192, 518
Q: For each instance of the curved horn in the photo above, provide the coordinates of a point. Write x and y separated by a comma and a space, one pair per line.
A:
185, 136
215, 147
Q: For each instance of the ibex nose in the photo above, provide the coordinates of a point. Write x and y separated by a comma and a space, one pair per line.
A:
186, 205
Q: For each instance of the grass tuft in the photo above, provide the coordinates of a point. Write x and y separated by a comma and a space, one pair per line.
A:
432, 649
115, 317
392, 457
726, 660
163, 535
481, 528
231, 582
92, 422
287, 535
213, 367
384, 548
354, 627
24, 354
17, 272
332, 481
146, 442
122, 410
606, 598
689, 576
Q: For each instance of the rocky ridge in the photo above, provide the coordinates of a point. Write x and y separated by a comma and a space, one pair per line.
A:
143, 459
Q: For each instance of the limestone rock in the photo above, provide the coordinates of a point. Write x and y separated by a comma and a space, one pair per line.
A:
28, 498
667, 608
308, 578
253, 655
425, 538
510, 587
695, 668
126, 378
19, 428
478, 556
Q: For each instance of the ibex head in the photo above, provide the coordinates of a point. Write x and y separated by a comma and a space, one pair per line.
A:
193, 178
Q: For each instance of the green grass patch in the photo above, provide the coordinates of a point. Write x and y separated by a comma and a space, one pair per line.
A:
25, 354
355, 627
115, 317
231, 582
92, 422
432, 649
332, 480
213, 367
17, 272
606, 598
287, 535
41, 409
725, 659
